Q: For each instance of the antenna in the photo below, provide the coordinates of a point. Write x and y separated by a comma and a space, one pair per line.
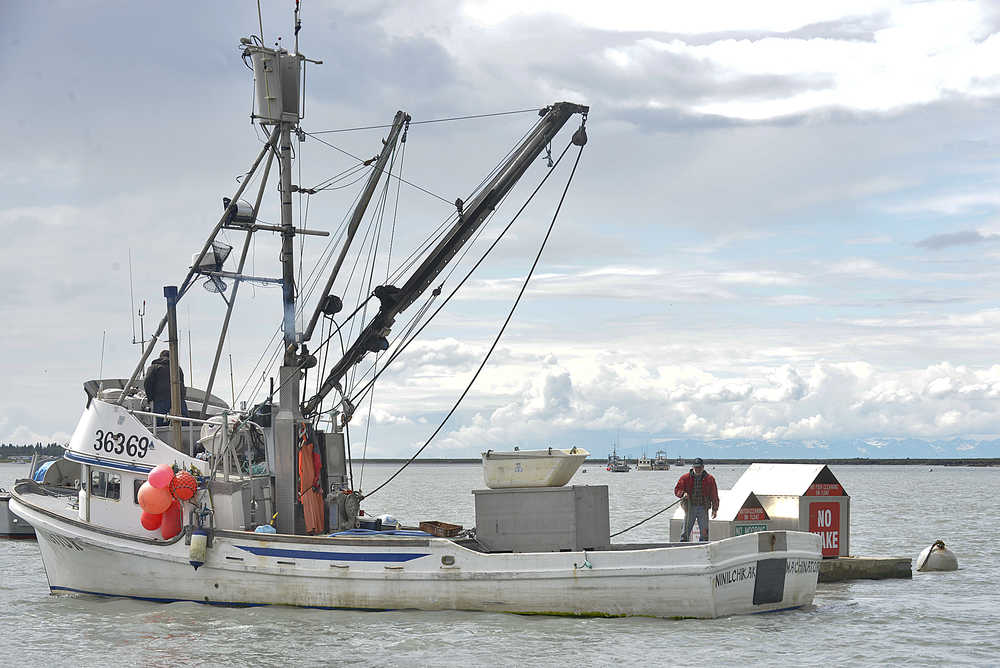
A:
298, 25
190, 354
131, 295
232, 383
142, 329
100, 366
260, 21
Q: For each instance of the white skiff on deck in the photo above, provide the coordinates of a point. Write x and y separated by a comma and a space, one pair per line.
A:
531, 468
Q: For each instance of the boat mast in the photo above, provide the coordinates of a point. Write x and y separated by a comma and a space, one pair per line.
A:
287, 244
277, 74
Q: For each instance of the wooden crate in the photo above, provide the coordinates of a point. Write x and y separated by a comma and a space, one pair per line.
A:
441, 529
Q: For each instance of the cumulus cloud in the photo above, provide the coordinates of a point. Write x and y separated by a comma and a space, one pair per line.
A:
961, 238
824, 402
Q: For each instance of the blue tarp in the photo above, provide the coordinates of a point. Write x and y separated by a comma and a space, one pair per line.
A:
40, 473
371, 532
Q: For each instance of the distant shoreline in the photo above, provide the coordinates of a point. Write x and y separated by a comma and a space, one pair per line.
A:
944, 461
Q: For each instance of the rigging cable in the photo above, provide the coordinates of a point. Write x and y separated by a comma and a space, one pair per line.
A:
503, 327
440, 231
415, 319
649, 518
468, 274
395, 208
392, 236
312, 281
412, 185
432, 120
379, 216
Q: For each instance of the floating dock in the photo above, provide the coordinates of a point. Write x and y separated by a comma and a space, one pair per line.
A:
864, 568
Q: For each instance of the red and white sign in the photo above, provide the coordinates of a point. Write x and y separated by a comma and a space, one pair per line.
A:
824, 519
751, 515
825, 489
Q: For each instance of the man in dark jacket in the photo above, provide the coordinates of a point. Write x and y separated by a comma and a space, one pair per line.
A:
700, 492
157, 386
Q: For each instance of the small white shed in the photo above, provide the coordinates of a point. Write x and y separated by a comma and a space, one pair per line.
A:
802, 497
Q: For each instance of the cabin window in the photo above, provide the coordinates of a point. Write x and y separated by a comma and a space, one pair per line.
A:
106, 485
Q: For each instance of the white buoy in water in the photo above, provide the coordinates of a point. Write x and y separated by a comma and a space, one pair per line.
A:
937, 557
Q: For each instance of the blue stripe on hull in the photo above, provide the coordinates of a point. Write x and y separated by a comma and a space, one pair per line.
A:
393, 557
106, 463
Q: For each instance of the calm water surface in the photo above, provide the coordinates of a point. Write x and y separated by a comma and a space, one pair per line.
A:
935, 618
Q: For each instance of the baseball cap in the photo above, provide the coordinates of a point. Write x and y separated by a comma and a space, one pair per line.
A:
698, 462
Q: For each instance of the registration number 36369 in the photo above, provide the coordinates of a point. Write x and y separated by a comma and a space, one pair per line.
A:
117, 443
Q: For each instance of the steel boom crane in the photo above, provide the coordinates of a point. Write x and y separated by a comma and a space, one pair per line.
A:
393, 300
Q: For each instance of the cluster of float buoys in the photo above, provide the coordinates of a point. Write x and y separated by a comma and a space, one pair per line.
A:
160, 498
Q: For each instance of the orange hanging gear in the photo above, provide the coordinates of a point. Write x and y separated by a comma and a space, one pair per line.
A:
310, 497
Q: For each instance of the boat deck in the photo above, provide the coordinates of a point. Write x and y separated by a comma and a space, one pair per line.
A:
476, 546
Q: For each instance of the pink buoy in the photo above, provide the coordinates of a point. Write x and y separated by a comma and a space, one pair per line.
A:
161, 476
154, 501
150, 522
172, 521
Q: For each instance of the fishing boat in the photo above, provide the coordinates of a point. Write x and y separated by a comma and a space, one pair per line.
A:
660, 462
12, 526
56, 474
644, 463
679, 462
208, 503
531, 468
618, 464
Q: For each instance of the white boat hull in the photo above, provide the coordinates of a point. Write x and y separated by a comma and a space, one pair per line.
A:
12, 526
531, 468
747, 574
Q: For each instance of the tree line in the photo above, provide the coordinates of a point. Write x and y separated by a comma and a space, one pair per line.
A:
49, 449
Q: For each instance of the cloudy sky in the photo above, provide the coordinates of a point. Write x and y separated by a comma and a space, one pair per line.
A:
784, 227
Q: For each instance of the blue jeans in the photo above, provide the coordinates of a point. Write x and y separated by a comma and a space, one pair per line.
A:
163, 406
699, 513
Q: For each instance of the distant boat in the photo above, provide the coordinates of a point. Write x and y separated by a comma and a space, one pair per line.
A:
57, 473
644, 463
679, 463
661, 463
12, 526
617, 464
